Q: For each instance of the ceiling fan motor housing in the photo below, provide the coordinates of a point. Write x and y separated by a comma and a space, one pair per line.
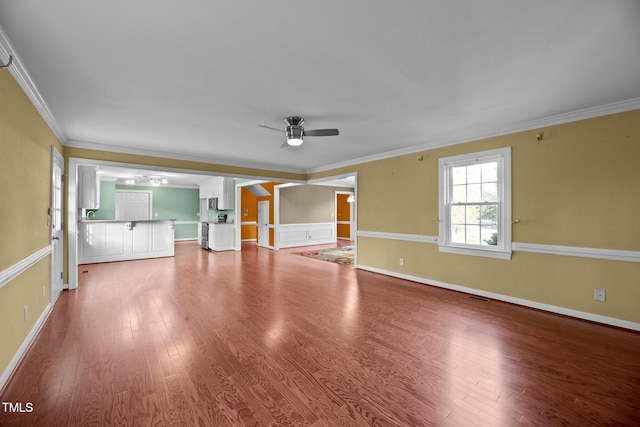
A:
294, 133
294, 121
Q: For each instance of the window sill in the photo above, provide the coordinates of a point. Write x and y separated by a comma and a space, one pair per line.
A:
488, 253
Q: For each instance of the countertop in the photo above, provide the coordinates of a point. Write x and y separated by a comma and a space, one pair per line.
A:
217, 223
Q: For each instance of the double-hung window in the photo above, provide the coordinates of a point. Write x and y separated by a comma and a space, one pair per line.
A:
475, 204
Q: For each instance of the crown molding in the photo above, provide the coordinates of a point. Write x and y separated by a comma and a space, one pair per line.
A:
455, 139
168, 155
20, 74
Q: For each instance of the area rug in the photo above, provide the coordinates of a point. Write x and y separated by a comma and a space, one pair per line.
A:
343, 255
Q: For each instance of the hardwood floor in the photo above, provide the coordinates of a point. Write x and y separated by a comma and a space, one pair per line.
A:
269, 338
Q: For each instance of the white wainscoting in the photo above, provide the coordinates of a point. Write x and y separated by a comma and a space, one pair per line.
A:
293, 235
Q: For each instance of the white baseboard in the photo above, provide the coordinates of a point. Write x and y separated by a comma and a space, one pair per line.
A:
612, 321
25, 346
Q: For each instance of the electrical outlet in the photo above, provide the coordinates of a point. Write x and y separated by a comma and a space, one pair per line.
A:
44, 291
600, 295
401, 261
26, 312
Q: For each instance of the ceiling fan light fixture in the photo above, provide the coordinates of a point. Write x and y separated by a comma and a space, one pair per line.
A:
156, 180
294, 135
294, 132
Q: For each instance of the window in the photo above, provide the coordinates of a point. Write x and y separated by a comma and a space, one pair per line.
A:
475, 204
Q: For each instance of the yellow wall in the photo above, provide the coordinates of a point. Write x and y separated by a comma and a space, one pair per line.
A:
578, 186
25, 187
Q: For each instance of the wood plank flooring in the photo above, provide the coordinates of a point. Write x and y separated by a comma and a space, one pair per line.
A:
264, 338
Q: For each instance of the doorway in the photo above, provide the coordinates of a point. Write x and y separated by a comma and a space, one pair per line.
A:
56, 223
344, 215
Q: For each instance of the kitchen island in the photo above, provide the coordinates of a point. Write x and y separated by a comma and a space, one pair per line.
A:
118, 240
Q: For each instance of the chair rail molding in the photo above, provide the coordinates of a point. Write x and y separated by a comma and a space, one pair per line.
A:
23, 265
575, 251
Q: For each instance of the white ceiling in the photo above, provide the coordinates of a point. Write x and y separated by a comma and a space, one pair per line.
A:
174, 179
119, 174
192, 79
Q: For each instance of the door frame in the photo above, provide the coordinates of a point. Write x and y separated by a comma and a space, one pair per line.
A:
354, 207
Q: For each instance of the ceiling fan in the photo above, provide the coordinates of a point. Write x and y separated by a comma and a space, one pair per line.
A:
294, 131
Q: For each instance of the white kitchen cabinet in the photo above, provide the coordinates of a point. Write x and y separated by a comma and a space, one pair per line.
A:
207, 190
105, 241
226, 196
221, 237
88, 187
221, 188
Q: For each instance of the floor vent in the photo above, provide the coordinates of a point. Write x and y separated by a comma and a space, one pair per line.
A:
479, 298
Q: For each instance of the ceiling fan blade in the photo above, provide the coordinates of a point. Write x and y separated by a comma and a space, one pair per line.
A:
269, 127
321, 132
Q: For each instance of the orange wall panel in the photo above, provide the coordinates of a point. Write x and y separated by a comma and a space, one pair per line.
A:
248, 205
344, 231
249, 232
343, 208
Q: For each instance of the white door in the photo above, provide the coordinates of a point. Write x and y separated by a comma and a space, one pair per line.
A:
133, 205
55, 218
263, 223
139, 205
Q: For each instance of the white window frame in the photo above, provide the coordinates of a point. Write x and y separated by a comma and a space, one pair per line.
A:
503, 249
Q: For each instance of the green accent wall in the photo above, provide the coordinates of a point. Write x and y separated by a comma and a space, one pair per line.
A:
107, 201
181, 204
